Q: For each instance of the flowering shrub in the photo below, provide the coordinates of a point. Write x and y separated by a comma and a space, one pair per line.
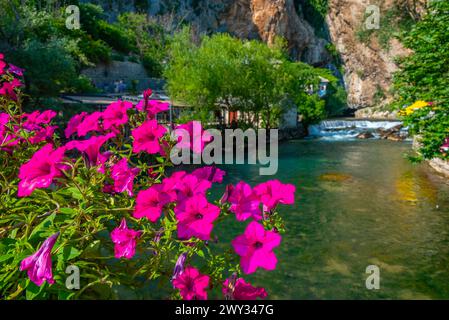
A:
105, 198
422, 75
430, 121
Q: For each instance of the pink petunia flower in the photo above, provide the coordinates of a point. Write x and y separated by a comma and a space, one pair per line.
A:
15, 70
41, 169
197, 136
174, 182
74, 122
196, 217
35, 120
7, 88
152, 107
273, 192
91, 148
4, 119
8, 140
147, 93
189, 185
192, 284
90, 123
150, 202
155, 107
123, 176
241, 290
38, 264
2, 64
146, 137
179, 266
209, 173
244, 202
228, 191
445, 146
124, 240
43, 134
116, 115
108, 188
255, 247
143, 104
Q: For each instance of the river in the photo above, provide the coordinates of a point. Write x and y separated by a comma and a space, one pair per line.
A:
358, 203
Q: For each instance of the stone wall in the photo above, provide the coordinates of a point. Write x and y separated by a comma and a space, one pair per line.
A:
104, 76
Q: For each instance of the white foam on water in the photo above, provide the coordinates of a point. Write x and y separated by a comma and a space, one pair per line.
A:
343, 129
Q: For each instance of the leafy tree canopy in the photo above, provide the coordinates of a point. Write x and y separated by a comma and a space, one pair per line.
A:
249, 76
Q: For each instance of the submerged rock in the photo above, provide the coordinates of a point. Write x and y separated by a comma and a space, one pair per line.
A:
394, 134
365, 135
335, 177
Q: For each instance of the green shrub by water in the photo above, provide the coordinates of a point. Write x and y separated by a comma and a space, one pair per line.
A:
424, 75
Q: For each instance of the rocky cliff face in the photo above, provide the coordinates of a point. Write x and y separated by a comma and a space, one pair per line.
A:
266, 19
368, 67
251, 19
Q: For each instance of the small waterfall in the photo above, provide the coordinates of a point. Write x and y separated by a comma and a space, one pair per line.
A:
348, 129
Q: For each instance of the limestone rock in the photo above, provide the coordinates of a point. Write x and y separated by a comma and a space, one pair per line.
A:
368, 66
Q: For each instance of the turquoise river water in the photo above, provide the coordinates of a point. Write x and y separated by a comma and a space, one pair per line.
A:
358, 203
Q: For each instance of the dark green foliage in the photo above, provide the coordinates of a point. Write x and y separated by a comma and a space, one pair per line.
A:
97, 41
152, 65
335, 99
115, 37
96, 50
312, 109
91, 15
142, 5
424, 74
314, 11
49, 67
148, 38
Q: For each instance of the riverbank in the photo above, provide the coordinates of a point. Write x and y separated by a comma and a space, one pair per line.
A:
439, 165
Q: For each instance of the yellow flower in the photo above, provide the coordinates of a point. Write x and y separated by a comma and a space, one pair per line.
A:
410, 109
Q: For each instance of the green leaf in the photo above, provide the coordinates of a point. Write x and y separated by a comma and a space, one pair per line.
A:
42, 227
92, 249
70, 253
68, 211
4, 244
65, 295
33, 290
6, 257
75, 193
200, 253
